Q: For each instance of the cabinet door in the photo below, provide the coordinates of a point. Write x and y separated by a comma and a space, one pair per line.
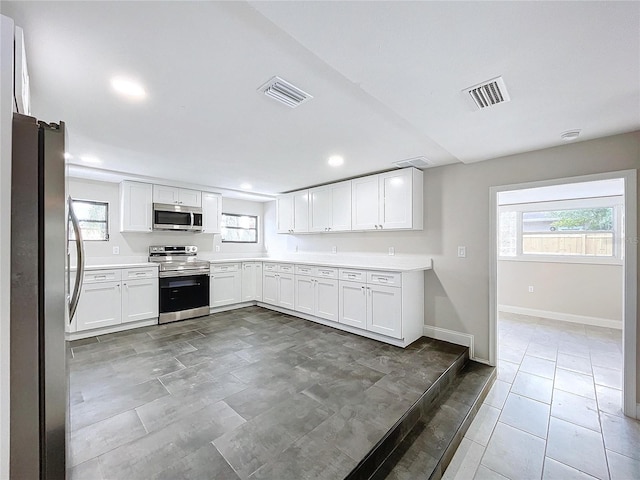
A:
164, 194
136, 207
248, 282
225, 288
304, 293
353, 304
284, 213
384, 312
189, 198
340, 207
99, 306
301, 211
286, 290
320, 209
139, 299
258, 280
395, 199
211, 212
326, 299
270, 287
364, 203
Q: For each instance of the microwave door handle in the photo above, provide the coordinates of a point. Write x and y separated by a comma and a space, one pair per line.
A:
75, 297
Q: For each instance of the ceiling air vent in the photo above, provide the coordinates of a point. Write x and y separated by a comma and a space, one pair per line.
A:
418, 162
488, 93
284, 92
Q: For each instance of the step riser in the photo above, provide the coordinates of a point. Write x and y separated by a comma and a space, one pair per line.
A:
368, 467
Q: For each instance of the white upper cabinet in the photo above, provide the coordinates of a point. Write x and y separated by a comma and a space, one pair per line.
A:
177, 196
135, 207
391, 201
364, 203
211, 212
330, 208
292, 212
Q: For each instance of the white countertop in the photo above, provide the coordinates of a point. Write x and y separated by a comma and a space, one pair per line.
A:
396, 263
107, 266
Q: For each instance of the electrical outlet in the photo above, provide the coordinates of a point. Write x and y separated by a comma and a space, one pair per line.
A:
217, 248
462, 252
530, 288
334, 249
392, 251
116, 250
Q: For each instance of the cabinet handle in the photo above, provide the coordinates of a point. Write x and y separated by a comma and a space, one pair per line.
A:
376, 227
99, 276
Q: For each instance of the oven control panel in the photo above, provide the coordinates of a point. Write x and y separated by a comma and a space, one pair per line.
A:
173, 249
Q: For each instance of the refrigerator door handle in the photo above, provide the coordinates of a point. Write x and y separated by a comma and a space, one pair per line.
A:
75, 297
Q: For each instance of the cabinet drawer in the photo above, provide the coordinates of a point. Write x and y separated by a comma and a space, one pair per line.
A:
270, 267
393, 279
95, 276
285, 268
132, 273
224, 267
353, 275
305, 270
326, 272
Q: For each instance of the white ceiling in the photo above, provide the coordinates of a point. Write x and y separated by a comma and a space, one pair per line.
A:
386, 79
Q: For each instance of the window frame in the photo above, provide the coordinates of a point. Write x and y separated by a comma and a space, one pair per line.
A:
257, 229
106, 221
615, 202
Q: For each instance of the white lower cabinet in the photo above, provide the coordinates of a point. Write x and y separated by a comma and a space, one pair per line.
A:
252, 281
278, 286
116, 296
99, 306
353, 304
316, 295
225, 284
384, 310
139, 299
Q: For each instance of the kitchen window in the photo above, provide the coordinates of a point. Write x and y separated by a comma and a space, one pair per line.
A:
93, 218
239, 228
585, 230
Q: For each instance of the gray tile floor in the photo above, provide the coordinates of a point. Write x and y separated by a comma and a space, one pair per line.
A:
555, 410
249, 393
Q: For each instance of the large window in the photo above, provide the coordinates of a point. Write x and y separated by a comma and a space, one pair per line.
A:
239, 228
93, 218
572, 230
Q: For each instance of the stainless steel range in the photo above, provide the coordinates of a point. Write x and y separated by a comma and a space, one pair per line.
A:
184, 282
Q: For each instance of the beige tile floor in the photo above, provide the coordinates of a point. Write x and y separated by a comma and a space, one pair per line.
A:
555, 410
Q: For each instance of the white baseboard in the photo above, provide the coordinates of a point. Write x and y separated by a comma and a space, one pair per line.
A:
563, 317
452, 336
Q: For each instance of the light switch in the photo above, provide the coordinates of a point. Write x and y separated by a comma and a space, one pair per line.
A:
462, 252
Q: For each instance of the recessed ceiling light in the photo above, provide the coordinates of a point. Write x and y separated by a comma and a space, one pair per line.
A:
246, 186
570, 135
91, 159
335, 160
128, 87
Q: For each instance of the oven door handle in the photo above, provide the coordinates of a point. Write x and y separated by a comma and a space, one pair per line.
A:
183, 273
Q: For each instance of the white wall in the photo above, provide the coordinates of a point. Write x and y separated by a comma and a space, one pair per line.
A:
456, 205
580, 289
6, 96
135, 246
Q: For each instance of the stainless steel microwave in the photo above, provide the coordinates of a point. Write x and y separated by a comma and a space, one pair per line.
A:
177, 217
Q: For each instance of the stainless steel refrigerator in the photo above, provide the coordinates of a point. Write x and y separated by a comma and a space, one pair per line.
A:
39, 299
